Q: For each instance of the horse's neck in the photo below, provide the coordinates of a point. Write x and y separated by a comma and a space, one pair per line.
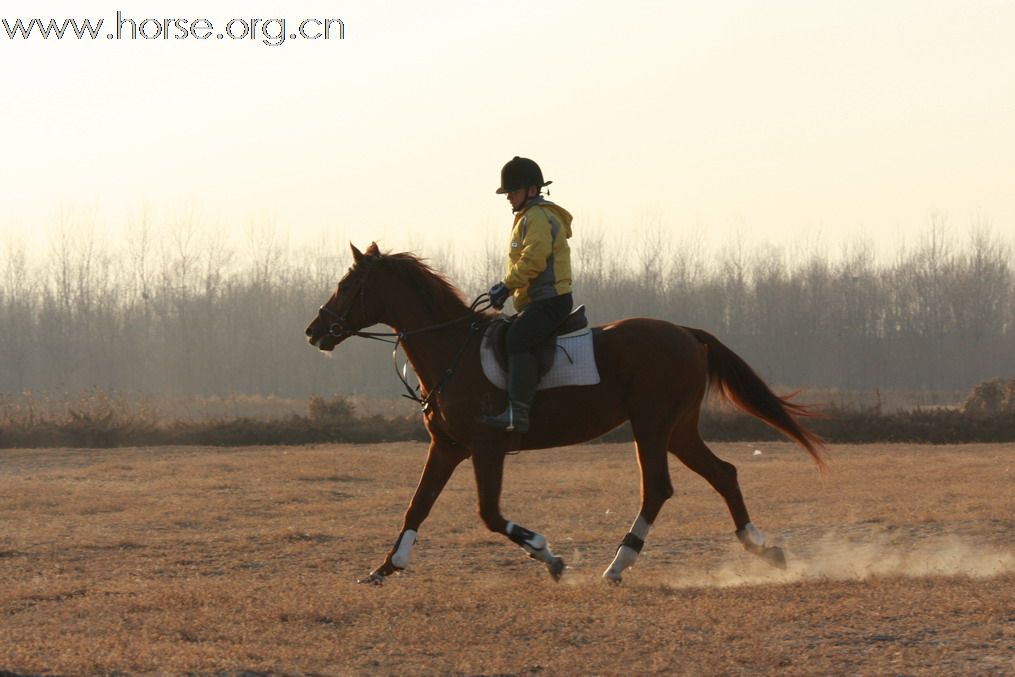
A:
431, 352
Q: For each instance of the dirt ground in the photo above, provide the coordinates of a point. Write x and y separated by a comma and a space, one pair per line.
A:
244, 561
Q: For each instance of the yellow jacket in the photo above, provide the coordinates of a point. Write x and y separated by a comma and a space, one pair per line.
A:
539, 261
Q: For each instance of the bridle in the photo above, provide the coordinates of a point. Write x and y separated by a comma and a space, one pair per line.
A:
338, 330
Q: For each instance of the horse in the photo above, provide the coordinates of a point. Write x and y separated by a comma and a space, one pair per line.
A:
653, 373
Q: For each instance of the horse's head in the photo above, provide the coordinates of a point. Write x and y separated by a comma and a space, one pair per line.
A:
347, 310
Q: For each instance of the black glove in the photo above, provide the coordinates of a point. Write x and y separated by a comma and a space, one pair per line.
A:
498, 295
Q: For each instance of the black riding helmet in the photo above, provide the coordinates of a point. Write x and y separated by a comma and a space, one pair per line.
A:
520, 172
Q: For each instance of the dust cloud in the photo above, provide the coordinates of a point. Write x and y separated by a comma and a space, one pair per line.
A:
838, 557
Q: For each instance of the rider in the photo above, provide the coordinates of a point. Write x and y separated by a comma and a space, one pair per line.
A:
539, 278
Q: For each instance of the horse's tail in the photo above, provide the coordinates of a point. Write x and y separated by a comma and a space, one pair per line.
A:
739, 384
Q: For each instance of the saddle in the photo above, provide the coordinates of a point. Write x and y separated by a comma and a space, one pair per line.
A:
546, 352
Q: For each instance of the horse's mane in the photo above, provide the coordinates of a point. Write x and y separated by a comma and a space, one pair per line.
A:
440, 295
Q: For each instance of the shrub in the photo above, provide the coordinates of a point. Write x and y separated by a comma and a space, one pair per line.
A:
97, 419
1008, 401
993, 396
334, 410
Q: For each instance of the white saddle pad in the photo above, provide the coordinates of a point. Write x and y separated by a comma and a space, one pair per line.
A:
575, 364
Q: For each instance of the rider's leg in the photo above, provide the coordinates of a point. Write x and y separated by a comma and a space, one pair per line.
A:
523, 377
537, 322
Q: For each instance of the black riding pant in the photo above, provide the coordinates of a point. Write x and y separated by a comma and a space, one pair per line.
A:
537, 323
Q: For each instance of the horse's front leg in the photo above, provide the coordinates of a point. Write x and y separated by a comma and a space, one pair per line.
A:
489, 467
442, 459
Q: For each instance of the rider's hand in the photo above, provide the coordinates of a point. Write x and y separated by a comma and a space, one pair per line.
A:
498, 295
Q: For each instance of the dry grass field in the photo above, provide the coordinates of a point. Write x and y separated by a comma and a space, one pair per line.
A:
244, 560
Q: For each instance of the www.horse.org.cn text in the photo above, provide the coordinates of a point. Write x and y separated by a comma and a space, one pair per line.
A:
271, 32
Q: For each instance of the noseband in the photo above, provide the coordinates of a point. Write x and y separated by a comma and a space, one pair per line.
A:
337, 327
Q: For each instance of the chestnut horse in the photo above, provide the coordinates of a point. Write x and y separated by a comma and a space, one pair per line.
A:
652, 373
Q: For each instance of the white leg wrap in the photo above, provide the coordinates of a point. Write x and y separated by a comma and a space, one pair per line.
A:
535, 544
751, 538
640, 528
400, 558
626, 555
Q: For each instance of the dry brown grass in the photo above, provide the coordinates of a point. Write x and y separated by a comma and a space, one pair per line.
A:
207, 560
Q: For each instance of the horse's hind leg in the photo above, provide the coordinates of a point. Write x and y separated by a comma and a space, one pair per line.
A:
656, 488
687, 445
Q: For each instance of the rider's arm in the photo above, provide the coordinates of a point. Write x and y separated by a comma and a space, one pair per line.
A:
536, 246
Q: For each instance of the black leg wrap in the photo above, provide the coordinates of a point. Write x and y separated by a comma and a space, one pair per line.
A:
520, 535
632, 541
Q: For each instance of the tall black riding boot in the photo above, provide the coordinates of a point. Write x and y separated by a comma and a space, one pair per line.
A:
523, 375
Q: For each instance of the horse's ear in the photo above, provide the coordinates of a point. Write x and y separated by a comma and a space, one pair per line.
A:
373, 251
357, 255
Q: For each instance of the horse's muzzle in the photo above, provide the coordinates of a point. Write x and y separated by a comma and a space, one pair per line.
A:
325, 342
320, 338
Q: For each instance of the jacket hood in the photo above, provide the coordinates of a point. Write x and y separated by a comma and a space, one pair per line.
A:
563, 215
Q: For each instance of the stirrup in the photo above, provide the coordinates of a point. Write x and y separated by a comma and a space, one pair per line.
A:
515, 418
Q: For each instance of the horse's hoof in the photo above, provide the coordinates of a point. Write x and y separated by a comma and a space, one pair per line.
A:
556, 568
611, 576
374, 578
774, 556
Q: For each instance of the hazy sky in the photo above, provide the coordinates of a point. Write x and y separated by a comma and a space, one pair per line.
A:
771, 120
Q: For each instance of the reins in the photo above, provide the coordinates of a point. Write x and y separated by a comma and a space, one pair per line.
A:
397, 338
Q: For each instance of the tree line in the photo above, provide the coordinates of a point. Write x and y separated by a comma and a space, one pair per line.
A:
180, 312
